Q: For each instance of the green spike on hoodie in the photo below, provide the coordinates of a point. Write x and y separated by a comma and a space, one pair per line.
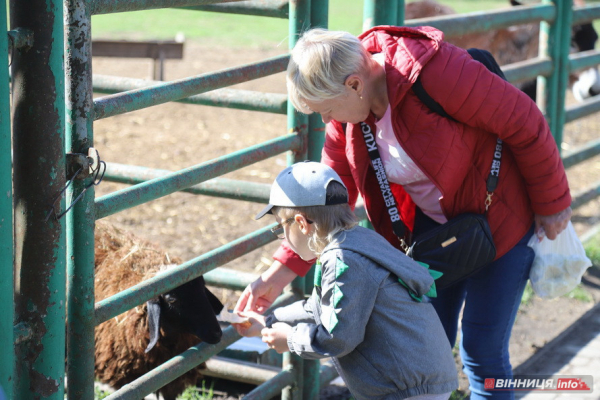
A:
432, 290
318, 273
330, 321
340, 268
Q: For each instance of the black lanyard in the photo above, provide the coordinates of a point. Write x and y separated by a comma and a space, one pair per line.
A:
398, 226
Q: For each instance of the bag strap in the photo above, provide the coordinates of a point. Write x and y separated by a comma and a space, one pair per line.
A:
426, 99
398, 226
486, 58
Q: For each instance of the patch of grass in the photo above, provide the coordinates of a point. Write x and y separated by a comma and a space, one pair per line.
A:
580, 294
229, 30
194, 393
592, 249
528, 295
100, 394
457, 395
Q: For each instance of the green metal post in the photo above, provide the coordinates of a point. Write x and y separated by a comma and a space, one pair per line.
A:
300, 13
7, 364
81, 219
400, 13
319, 13
319, 17
379, 12
39, 178
550, 47
566, 17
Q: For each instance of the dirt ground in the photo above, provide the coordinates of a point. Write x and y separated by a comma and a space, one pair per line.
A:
174, 136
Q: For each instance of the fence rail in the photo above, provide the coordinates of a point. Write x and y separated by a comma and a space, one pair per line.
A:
137, 99
274, 103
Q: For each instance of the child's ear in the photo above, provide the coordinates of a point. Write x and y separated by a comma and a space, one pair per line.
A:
302, 223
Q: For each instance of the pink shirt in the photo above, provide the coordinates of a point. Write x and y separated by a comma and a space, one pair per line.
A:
401, 169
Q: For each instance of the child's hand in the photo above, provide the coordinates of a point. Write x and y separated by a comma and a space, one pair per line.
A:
255, 324
276, 337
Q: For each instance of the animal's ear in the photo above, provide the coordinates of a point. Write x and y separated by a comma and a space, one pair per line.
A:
215, 303
153, 322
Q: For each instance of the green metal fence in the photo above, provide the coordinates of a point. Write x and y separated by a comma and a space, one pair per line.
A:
6, 217
54, 111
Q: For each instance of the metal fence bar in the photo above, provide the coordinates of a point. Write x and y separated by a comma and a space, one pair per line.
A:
260, 8
175, 181
587, 13
528, 69
273, 387
584, 59
6, 220
565, 16
39, 176
217, 187
81, 219
590, 235
586, 195
327, 374
117, 6
121, 103
588, 107
480, 21
172, 369
144, 291
582, 153
380, 12
229, 278
300, 14
230, 98
319, 17
239, 371
547, 87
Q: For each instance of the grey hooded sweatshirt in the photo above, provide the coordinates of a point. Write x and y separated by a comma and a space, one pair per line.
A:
385, 343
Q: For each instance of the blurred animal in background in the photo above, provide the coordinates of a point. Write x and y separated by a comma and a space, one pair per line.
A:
137, 341
519, 43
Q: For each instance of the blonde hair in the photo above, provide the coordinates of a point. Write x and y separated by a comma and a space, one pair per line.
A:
327, 220
319, 65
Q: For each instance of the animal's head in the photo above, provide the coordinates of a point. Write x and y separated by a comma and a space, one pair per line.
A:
585, 83
189, 308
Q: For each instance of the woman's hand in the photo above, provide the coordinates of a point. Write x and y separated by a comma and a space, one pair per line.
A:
260, 294
552, 225
255, 324
276, 336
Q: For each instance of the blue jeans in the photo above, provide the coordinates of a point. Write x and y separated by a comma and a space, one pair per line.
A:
492, 298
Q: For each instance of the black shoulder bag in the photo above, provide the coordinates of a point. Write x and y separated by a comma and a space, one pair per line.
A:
463, 245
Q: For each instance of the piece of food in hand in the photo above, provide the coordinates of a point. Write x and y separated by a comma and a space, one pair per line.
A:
233, 318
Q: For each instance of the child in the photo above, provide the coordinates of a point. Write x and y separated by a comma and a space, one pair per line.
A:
368, 310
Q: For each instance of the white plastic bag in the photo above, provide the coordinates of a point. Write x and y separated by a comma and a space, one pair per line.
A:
558, 264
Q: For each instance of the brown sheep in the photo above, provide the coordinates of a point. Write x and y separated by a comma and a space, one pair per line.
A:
137, 341
519, 43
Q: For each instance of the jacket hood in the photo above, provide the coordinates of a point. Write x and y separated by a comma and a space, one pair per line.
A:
373, 246
406, 51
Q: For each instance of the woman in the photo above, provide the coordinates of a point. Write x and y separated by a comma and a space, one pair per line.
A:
437, 167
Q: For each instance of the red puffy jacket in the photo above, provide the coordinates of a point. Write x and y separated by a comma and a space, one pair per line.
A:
456, 156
